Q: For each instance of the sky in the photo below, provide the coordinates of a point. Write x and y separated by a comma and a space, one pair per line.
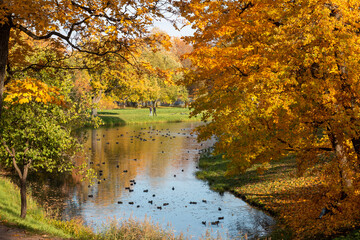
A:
169, 29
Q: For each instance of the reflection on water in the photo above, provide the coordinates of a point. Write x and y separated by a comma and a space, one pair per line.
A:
149, 171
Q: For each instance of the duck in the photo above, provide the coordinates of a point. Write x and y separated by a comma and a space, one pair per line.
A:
215, 223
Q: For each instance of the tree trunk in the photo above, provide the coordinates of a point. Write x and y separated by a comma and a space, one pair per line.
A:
23, 198
356, 145
22, 175
343, 161
4, 51
343, 166
155, 103
95, 100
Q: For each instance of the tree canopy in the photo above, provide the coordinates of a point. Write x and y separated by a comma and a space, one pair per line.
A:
114, 27
280, 77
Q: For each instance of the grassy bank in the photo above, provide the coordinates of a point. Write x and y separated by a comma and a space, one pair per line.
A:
36, 218
142, 115
38, 222
293, 200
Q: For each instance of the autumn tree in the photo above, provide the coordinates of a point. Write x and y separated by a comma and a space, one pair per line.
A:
179, 48
148, 74
42, 138
161, 82
40, 115
279, 78
114, 26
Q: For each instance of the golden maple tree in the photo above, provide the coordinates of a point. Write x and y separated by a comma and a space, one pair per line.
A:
113, 26
278, 78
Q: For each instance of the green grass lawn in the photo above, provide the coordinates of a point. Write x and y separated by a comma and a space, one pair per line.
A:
35, 220
142, 115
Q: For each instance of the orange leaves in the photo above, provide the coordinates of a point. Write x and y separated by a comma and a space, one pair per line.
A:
31, 90
277, 78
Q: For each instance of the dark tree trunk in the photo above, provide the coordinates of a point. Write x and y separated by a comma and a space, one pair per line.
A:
22, 175
356, 144
23, 198
337, 142
4, 51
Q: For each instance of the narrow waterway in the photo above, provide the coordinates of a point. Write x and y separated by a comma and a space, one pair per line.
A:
148, 171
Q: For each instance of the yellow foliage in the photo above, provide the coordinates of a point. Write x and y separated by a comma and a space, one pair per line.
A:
29, 90
277, 78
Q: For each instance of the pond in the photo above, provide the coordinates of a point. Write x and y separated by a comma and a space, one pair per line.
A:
148, 171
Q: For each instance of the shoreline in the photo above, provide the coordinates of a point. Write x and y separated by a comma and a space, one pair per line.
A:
277, 192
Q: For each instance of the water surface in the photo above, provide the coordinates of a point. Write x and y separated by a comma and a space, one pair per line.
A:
149, 171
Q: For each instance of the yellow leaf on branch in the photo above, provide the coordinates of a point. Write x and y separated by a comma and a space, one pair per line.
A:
30, 89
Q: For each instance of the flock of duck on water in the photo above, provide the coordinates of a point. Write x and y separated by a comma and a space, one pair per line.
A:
132, 182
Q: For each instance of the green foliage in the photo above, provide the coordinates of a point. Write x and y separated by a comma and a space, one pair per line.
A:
40, 134
164, 89
354, 235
